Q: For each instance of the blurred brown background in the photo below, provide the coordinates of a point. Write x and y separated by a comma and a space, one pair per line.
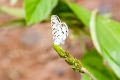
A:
27, 53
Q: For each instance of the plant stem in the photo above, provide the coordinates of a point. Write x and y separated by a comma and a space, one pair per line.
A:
88, 73
73, 62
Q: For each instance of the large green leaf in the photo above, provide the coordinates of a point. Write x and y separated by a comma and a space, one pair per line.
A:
38, 10
81, 13
107, 32
107, 35
94, 63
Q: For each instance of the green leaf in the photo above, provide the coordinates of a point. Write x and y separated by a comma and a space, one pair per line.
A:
80, 12
38, 10
94, 63
107, 33
108, 44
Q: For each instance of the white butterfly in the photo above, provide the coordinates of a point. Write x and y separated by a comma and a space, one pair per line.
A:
59, 30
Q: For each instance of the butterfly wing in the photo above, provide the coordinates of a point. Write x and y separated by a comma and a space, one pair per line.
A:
59, 30
64, 28
56, 30
55, 20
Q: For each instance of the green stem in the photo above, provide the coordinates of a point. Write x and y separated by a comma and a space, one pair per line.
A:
88, 73
73, 62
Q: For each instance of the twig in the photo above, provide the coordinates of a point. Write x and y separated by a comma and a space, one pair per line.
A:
88, 73
73, 62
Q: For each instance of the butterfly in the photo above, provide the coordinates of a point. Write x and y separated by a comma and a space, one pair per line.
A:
59, 30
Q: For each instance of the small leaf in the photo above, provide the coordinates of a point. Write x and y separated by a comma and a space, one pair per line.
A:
38, 10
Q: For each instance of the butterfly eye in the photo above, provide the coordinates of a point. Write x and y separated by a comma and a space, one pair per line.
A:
59, 30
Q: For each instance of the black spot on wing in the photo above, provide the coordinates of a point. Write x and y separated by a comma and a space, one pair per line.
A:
58, 18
